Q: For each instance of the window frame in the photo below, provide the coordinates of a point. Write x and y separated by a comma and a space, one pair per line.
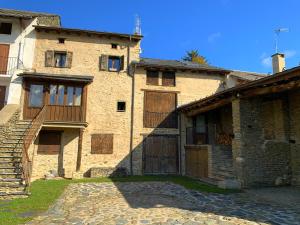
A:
112, 57
60, 53
163, 78
150, 73
65, 96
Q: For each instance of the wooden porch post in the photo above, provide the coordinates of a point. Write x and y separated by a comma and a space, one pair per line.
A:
79, 153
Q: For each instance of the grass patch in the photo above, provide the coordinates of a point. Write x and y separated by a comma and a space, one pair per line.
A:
44, 193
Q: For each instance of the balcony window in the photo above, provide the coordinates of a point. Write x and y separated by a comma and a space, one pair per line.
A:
61, 94
53, 91
78, 93
70, 95
36, 95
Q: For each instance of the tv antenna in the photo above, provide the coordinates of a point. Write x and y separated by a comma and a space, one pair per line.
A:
277, 32
138, 25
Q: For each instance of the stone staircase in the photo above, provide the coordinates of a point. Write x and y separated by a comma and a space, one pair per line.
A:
11, 182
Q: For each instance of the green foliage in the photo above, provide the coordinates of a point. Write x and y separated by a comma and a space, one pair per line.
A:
194, 56
44, 193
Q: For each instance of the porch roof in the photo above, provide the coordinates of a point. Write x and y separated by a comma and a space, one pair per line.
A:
284, 81
63, 77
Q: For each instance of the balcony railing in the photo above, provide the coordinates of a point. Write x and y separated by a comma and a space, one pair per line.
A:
8, 65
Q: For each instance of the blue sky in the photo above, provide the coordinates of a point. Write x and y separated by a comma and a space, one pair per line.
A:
233, 34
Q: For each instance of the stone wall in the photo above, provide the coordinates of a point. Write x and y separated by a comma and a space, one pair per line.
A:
220, 162
294, 100
259, 161
9, 116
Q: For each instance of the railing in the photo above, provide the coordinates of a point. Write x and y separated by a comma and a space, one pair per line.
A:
29, 137
65, 113
160, 120
8, 65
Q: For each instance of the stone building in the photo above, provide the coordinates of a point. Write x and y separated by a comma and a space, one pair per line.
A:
247, 135
89, 105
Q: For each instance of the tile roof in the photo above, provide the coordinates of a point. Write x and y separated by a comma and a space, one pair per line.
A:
247, 75
177, 64
22, 14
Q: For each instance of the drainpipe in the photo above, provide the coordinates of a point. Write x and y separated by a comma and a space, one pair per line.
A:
132, 107
180, 141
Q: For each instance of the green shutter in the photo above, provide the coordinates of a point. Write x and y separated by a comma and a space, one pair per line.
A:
103, 62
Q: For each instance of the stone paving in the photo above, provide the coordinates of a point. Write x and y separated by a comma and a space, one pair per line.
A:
158, 203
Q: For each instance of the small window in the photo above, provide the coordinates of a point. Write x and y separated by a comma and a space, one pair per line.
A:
121, 106
61, 40
60, 59
114, 63
5, 28
152, 77
168, 79
49, 143
36, 95
114, 46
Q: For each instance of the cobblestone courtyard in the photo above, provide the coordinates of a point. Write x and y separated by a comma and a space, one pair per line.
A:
159, 203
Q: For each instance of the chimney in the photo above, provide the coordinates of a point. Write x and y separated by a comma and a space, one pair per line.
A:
278, 62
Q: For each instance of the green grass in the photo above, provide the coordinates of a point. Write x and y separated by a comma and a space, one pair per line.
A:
44, 193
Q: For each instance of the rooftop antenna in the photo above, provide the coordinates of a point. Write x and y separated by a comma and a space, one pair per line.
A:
138, 25
277, 32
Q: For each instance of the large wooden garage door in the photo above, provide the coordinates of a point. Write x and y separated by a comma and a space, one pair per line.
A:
161, 154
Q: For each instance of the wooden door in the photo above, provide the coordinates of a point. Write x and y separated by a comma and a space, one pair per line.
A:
2, 96
161, 154
196, 161
4, 52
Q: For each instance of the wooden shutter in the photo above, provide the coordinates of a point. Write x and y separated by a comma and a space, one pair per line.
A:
102, 144
69, 59
49, 59
159, 110
103, 62
49, 142
122, 61
168, 78
152, 77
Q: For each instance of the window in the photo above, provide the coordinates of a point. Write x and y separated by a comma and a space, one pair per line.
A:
168, 79
36, 95
114, 63
61, 40
70, 95
5, 28
53, 92
114, 46
60, 94
49, 143
121, 106
152, 77
60, 59
78, 93
102, 144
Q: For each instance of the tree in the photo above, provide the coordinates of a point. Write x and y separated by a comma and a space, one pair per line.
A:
194, 56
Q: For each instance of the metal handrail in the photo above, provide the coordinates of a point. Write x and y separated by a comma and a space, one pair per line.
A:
8, 65
30, 136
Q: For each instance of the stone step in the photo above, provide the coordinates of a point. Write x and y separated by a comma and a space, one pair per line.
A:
16, 194
10, 153
10, 169
10, 148
10, 164
12, 141
10, 158
14, 146
10, 175
12, 188
10, 181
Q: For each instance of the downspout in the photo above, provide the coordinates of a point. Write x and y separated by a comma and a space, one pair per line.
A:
180, 141
132, 107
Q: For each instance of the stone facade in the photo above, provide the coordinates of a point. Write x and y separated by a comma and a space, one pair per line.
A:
260, 159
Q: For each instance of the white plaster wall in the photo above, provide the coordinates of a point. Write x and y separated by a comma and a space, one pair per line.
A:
22, 43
